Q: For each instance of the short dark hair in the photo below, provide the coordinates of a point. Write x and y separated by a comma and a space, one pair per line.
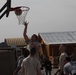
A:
25, 52
68, 59
32, 51
64, 45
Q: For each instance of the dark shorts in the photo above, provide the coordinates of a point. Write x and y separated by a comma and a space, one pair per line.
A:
74, 74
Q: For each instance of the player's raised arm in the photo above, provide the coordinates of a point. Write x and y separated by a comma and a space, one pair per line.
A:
25, 31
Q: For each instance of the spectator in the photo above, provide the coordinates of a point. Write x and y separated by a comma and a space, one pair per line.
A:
69, 66
48, 66
63, 55
31, 65
19, 62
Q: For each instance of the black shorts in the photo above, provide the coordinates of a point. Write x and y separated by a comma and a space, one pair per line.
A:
74, 74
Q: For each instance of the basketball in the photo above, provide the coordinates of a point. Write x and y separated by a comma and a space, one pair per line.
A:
18, 12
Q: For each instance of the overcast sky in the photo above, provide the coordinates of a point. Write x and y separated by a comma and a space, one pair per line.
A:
43, 16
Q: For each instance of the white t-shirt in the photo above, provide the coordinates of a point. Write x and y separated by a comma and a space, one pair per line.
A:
61, 59
31, 64
70, 67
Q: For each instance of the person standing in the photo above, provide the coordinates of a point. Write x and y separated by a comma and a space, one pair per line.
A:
31, 65
48, 66
19, 62
63, 55
69, 66
33, 42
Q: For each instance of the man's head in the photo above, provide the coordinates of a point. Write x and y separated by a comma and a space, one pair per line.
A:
25, 52
18, 53
62, 48
33, 51
67, 59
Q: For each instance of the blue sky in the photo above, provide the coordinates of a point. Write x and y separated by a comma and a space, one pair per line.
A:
43, 16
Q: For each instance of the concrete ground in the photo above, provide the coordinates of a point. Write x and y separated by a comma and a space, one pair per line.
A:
52, 72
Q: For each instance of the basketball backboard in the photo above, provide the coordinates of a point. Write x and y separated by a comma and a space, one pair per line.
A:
5, 7
8, 7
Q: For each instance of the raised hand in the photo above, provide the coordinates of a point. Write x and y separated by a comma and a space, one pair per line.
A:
26, 23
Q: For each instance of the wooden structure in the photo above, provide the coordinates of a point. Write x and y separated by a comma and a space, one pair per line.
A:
51, 42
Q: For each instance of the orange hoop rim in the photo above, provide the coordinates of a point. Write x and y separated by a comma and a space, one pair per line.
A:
19, 7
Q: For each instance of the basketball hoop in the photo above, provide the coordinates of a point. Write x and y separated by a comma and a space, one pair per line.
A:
21, 13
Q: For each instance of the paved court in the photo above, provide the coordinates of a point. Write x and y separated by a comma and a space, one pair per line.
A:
52, 72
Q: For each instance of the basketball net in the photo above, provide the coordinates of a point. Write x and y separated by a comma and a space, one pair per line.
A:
22, 16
